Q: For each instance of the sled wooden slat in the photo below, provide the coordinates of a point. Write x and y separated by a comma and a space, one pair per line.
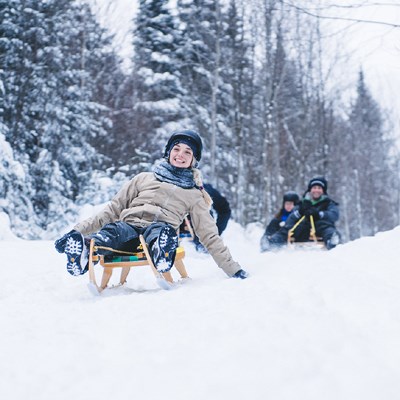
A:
143, 258
313, 242
166, 275
308, 245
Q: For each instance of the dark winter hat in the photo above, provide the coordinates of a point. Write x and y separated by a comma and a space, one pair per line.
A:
291, 196
319, 181
188, 137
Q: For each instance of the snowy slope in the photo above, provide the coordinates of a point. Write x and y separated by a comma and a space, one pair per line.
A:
306, 325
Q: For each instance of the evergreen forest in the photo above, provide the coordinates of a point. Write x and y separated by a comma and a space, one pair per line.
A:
248, 76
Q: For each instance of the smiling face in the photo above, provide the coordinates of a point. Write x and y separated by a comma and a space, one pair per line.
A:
181, 156
316, 192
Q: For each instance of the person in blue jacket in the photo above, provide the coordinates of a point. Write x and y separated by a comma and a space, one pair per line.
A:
290, 200
321, 207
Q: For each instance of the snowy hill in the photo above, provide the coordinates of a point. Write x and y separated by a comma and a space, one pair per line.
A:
306, 325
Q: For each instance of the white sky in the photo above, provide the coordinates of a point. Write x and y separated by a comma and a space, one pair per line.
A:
374, 47
117, 16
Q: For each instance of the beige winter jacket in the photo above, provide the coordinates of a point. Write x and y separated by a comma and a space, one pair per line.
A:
144, 200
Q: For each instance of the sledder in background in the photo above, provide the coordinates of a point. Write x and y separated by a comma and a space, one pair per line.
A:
289, 201
154, 204
220, 210
316, 209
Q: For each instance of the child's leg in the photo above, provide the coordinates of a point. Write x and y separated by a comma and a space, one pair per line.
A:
162, 240
118, 235
77, 253
329, 234
302, 232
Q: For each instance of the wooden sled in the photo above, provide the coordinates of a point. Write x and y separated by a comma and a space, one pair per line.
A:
128, 260
314, 242
310, 245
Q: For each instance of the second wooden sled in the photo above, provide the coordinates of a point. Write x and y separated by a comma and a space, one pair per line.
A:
314, 241
128, 260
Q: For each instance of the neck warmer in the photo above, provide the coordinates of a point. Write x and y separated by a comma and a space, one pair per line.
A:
314, 202
182, 177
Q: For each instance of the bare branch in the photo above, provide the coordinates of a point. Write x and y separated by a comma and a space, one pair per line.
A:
357, 20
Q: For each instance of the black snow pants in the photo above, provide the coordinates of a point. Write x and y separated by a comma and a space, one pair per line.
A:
122, 236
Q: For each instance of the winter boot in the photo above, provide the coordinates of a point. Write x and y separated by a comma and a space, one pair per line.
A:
241, 274
333, 241
265, 245
164, 248
77, 254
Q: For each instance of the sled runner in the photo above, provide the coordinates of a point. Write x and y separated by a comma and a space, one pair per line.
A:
126, 261
314, 241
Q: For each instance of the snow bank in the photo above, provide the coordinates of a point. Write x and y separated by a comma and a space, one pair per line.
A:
306, 325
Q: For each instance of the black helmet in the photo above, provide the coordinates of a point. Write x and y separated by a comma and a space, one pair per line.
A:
320, 181
189, 137
291, 196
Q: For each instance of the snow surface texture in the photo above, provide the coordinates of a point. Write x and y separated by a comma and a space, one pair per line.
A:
306, 325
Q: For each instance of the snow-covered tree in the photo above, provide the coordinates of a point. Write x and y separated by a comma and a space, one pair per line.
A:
156, 89
247, 76
201, 61
48, 55
370, 174
237, 70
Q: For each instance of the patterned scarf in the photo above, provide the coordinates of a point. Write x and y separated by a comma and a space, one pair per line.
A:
182, 177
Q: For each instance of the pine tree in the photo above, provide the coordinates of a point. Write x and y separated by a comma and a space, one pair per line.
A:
156, 106
200, 59
48, 53
235, 172
370, 171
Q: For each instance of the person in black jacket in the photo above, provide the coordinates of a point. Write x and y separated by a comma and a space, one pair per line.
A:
221, 211
321, 207
290, 200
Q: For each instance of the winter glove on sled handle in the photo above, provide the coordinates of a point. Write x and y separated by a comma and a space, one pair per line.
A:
241, 274
303, 207
312, 211
60, 243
